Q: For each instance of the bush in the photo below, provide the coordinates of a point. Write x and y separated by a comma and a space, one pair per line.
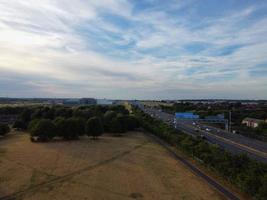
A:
44, 130
94, 127
4, 129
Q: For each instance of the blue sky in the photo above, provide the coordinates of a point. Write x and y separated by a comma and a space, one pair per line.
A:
147, 49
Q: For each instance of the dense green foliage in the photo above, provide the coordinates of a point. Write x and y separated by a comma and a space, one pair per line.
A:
71, 128
94, 127
116, 126
249, 175
72, 122
20, 124
4, 129
10, 110
108, 116
44, 129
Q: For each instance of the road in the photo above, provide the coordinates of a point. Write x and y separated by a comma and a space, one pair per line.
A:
234, 143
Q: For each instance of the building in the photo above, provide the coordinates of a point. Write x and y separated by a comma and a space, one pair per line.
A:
82, 101
104, 102
88, 101
71, 102
251, 122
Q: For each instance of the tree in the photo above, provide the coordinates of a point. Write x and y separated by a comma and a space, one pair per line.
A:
70, 128
108, 116
116, 126
131, 123
63, 112
78, 125
4, 129
25, 116
120, 109
262, 194
44, 130
60, 126
94, 127
32, 124
20, 125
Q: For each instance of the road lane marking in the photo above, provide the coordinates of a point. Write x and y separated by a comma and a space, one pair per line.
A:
241, 145
255, 151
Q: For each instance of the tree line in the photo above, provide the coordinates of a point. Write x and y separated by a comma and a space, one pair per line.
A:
247, 174
47, 123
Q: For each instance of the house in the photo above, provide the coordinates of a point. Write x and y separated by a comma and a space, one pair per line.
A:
251, 122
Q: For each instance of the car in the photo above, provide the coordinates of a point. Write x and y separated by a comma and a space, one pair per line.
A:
203, 137
207, 129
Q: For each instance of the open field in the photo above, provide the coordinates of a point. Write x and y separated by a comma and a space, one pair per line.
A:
129, 167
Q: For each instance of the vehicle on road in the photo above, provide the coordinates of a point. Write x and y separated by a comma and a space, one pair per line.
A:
203, 137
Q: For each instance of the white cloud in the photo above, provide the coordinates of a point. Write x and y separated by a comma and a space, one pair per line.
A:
43, 38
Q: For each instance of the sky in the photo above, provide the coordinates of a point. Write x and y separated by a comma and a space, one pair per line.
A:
134, 49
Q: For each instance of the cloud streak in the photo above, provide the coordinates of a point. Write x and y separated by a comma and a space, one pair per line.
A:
147, 50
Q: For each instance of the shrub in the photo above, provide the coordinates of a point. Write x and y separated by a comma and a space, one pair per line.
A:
94, 127
4, 129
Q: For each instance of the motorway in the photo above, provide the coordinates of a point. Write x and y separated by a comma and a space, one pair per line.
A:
234, 143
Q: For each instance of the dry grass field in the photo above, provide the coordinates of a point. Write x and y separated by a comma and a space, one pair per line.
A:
129, 167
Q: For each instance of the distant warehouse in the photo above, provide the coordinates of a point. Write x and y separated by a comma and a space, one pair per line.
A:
82, 101
104, 102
